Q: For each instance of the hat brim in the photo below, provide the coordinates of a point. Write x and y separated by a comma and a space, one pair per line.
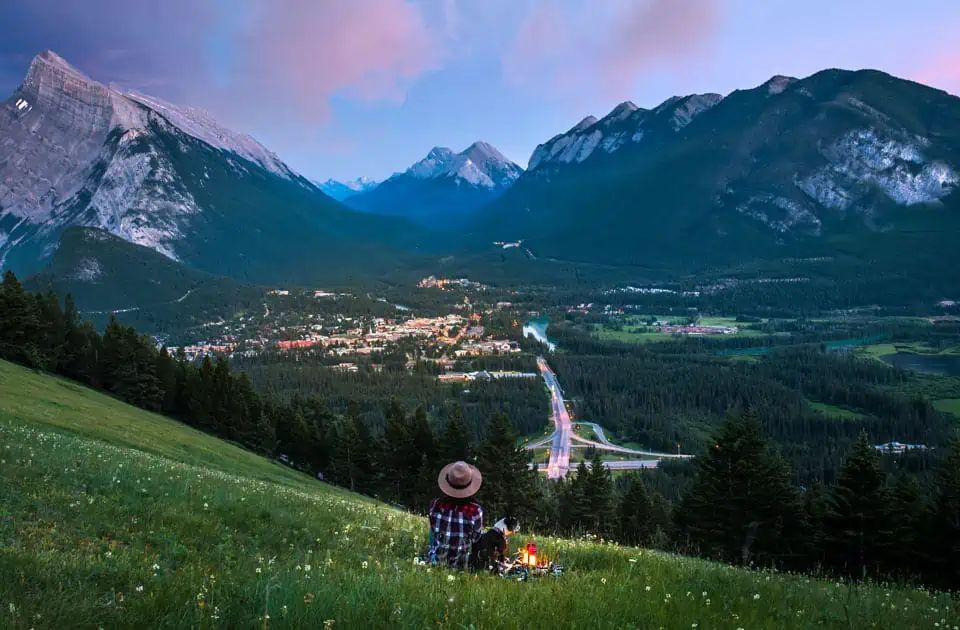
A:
459, 493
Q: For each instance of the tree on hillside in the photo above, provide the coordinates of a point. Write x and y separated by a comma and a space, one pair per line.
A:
455, 440
575, 502
401, 460
907, 508
635, 513
81, 346
741, 507
600, 497
52, 330
857, 526
129, 366
19, 323
166, 371
508, 483
944, 520
352, 464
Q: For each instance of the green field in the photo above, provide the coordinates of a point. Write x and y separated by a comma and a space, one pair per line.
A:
116, 518
948, 405
876, 351
635, 329
834, 411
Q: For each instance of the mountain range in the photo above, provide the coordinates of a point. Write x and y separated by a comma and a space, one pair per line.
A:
840, 163
444, 188
860, 168
77, 152
341, 190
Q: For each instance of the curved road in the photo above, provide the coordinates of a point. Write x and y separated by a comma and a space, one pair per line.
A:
558, 465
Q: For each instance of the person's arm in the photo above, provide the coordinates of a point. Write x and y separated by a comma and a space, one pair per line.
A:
477, 524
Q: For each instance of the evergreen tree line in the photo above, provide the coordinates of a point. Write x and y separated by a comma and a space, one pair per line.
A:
660, 399
524, 400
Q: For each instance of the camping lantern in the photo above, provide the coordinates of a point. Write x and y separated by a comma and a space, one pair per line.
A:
530, 554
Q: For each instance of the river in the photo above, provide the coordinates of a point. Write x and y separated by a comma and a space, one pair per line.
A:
943, 365
537, 328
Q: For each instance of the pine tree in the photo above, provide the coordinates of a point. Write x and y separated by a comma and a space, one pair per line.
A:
944, 520
81, 346
635, 513
906, 516
20, 331
741, 507
128, 366
52, 331
351, 463
166, 371
508, 483
455, 441
575, 501
402, 461
857, 523
599, 493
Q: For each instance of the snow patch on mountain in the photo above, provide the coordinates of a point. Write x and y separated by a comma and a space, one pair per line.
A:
780, 214
480, 165
342, 190
436, 162
87, 270
200, 124
778, 84
863, 160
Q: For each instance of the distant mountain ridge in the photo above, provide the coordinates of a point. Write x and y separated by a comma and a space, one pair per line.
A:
443, 187
341, 190
171, 178
858, 164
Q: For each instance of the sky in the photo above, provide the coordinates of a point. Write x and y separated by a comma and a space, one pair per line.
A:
348, 88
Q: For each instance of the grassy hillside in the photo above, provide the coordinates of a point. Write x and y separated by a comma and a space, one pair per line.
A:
114, 517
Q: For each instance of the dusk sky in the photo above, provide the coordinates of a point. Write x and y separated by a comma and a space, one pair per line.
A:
343, 88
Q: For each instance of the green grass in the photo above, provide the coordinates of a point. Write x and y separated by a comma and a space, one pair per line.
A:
948, 405
833, 411
112, 517
635, 329
879, 350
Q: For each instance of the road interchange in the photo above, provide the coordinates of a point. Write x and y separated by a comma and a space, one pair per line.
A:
563, 436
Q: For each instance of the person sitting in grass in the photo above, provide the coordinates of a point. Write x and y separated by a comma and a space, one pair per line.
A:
456, 521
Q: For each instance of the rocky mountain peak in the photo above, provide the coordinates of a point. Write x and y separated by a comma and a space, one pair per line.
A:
434, 164
480, 164
621, 111
586, 123
778, 83
49, 62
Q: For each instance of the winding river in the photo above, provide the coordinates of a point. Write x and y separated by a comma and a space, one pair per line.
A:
537, 328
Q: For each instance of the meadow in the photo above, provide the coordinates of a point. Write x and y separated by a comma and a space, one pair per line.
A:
117, 518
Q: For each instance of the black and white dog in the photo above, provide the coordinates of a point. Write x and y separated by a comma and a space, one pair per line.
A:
491, 548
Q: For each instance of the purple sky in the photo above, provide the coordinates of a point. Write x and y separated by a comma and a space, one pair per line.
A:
342, 88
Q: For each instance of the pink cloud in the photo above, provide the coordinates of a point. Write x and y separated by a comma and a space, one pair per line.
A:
607, 45
304, 52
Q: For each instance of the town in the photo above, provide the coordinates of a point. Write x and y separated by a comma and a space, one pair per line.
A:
328, 325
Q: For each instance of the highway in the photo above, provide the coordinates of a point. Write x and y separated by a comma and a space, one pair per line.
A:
558, 466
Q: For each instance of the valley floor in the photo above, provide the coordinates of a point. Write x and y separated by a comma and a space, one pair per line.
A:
114, 517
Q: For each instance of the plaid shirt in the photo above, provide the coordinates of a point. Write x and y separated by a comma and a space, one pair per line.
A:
454, 527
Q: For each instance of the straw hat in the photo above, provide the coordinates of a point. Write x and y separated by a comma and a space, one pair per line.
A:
459, 480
